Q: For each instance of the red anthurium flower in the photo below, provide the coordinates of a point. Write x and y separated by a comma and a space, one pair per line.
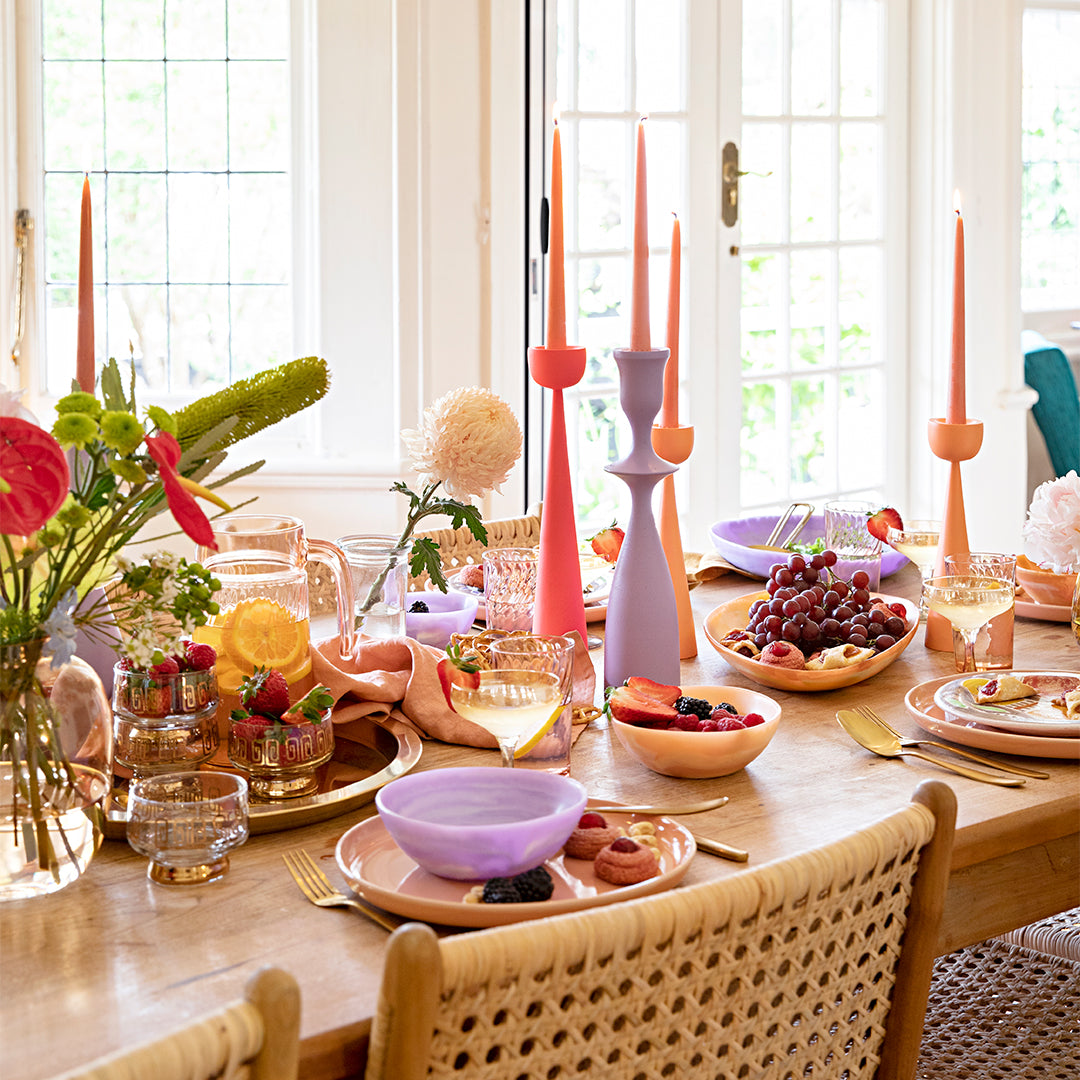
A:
33, 476
165, 451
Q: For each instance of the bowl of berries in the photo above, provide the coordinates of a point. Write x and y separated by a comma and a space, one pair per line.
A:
431, 617
280, 744
694, 732
810, 629
163, 716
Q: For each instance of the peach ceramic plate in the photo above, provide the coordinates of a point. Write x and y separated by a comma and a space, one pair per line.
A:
1028, 608
381, 873
919, 701
735, 614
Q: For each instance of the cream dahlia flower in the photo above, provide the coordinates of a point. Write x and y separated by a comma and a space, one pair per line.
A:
468, 441
1052, 529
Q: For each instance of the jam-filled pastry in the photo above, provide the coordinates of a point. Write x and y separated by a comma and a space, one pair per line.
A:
626, 862
741, 642
592, 833
1004, 688
1069, 703
840, 656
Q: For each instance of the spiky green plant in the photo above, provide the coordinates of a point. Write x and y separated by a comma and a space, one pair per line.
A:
257, 403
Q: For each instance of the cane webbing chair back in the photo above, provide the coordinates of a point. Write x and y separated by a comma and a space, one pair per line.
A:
257, 1038
817, 966
458, 547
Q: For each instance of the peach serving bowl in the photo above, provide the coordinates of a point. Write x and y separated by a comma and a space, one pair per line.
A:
1044, 586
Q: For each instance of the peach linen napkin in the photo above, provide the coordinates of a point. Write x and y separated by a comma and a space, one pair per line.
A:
397, 678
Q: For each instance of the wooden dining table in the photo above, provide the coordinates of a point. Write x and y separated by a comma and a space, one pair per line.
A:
114, 959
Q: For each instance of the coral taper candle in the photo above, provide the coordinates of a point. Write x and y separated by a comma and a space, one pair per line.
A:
556, 305
640, 337
956, 409
84, 355
669, 414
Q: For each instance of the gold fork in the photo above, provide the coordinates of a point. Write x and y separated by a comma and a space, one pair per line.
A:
315, 885
872, 716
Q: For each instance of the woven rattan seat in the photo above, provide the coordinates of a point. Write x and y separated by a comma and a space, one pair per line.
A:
817, 965
1058, 935
256, 1038
1000, 1011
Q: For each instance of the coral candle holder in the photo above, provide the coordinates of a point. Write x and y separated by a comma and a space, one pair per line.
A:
641, 634
675, 444
953, 443
560, 605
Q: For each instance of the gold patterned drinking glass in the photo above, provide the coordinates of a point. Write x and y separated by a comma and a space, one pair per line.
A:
994, 642
969, 603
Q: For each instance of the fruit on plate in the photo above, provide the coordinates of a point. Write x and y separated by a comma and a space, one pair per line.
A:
631, 705
607, 543
783, 654
878, 524
809, 607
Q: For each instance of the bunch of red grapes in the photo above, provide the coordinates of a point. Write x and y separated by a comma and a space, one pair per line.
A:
813, 609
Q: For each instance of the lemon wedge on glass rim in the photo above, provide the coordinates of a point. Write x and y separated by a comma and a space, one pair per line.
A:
541, 731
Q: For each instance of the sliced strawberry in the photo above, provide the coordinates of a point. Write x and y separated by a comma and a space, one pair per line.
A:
878, 524
457, 670
607, 543
650, 689
633, 708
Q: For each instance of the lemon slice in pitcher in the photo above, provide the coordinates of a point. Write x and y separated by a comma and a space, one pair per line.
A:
261, 633
525, 747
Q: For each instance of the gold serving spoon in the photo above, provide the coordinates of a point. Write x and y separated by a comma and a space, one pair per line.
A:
673, 810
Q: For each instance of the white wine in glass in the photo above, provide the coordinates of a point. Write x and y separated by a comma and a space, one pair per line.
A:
969, 603
918, 541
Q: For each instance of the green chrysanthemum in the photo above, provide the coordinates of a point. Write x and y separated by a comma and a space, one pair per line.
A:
51, 534
75, 429
121, 431
79, 402
162, 418
131, 471
72, 514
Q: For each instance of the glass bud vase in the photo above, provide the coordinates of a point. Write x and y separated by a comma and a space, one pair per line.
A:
55, 769
380, 574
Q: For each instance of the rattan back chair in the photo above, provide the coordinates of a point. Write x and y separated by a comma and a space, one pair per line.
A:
257, 1038
817, 965
458, 547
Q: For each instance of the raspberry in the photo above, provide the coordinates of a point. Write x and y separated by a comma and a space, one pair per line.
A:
168, 666
687, 722
265, 692
589, 820
533, 885
200, 657
729, 723
500, 890
752, 719
693, 706
126, 664
624, 843
723, 710
418, 607
708, 725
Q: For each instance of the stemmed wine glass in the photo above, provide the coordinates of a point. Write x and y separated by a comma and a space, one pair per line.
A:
969, 603
524, 692
918, 541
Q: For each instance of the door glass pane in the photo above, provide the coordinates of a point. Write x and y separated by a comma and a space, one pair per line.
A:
763, 62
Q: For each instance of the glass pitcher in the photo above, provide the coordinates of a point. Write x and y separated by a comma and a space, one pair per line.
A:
264, 621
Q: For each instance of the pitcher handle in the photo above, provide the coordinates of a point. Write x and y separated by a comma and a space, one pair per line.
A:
331, 555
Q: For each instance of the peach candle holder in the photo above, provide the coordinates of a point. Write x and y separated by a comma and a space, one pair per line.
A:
675, 444
953, 443
560, 605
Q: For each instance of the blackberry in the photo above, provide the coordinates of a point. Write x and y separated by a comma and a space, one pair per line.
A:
535, 884
418, 605
728, 708
693, 706
500, 890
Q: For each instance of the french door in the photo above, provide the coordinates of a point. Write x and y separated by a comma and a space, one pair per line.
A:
792, 354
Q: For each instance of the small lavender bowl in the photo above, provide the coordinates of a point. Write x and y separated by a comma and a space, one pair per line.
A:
448, 613
471, 824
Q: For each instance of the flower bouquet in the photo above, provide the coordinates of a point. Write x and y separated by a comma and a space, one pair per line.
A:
69, 503
1048, 569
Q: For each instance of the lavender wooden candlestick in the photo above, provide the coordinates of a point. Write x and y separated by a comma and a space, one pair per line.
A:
641, 634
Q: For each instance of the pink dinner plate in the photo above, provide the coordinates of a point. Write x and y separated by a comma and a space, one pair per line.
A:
919, 701
735, 614
381, 873
1029, 609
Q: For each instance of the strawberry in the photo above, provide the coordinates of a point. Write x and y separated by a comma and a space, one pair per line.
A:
657, 691
266, 692
878, 524
311, 707
607, 543
200, 657
457, 670
633, 708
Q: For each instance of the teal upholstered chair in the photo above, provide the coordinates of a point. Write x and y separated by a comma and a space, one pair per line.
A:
1057, 412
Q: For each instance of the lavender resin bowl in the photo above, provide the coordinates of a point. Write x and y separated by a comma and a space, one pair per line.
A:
471, 824
733, 539
448, 613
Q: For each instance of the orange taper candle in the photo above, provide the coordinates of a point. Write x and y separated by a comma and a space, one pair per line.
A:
956, 409
556, 306
84, 362
669, 414
640, 337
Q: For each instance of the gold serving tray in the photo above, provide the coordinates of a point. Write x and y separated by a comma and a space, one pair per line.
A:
376, 754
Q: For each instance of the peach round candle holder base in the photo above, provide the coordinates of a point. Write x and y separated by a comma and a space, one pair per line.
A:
556, 369
953, 443
674, 444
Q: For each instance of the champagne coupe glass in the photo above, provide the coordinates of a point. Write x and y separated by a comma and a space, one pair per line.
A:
918, 541
524, 692
969, 603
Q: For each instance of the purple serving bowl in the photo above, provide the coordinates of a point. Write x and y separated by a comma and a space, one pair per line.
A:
733, 538
448, 613
472, 824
